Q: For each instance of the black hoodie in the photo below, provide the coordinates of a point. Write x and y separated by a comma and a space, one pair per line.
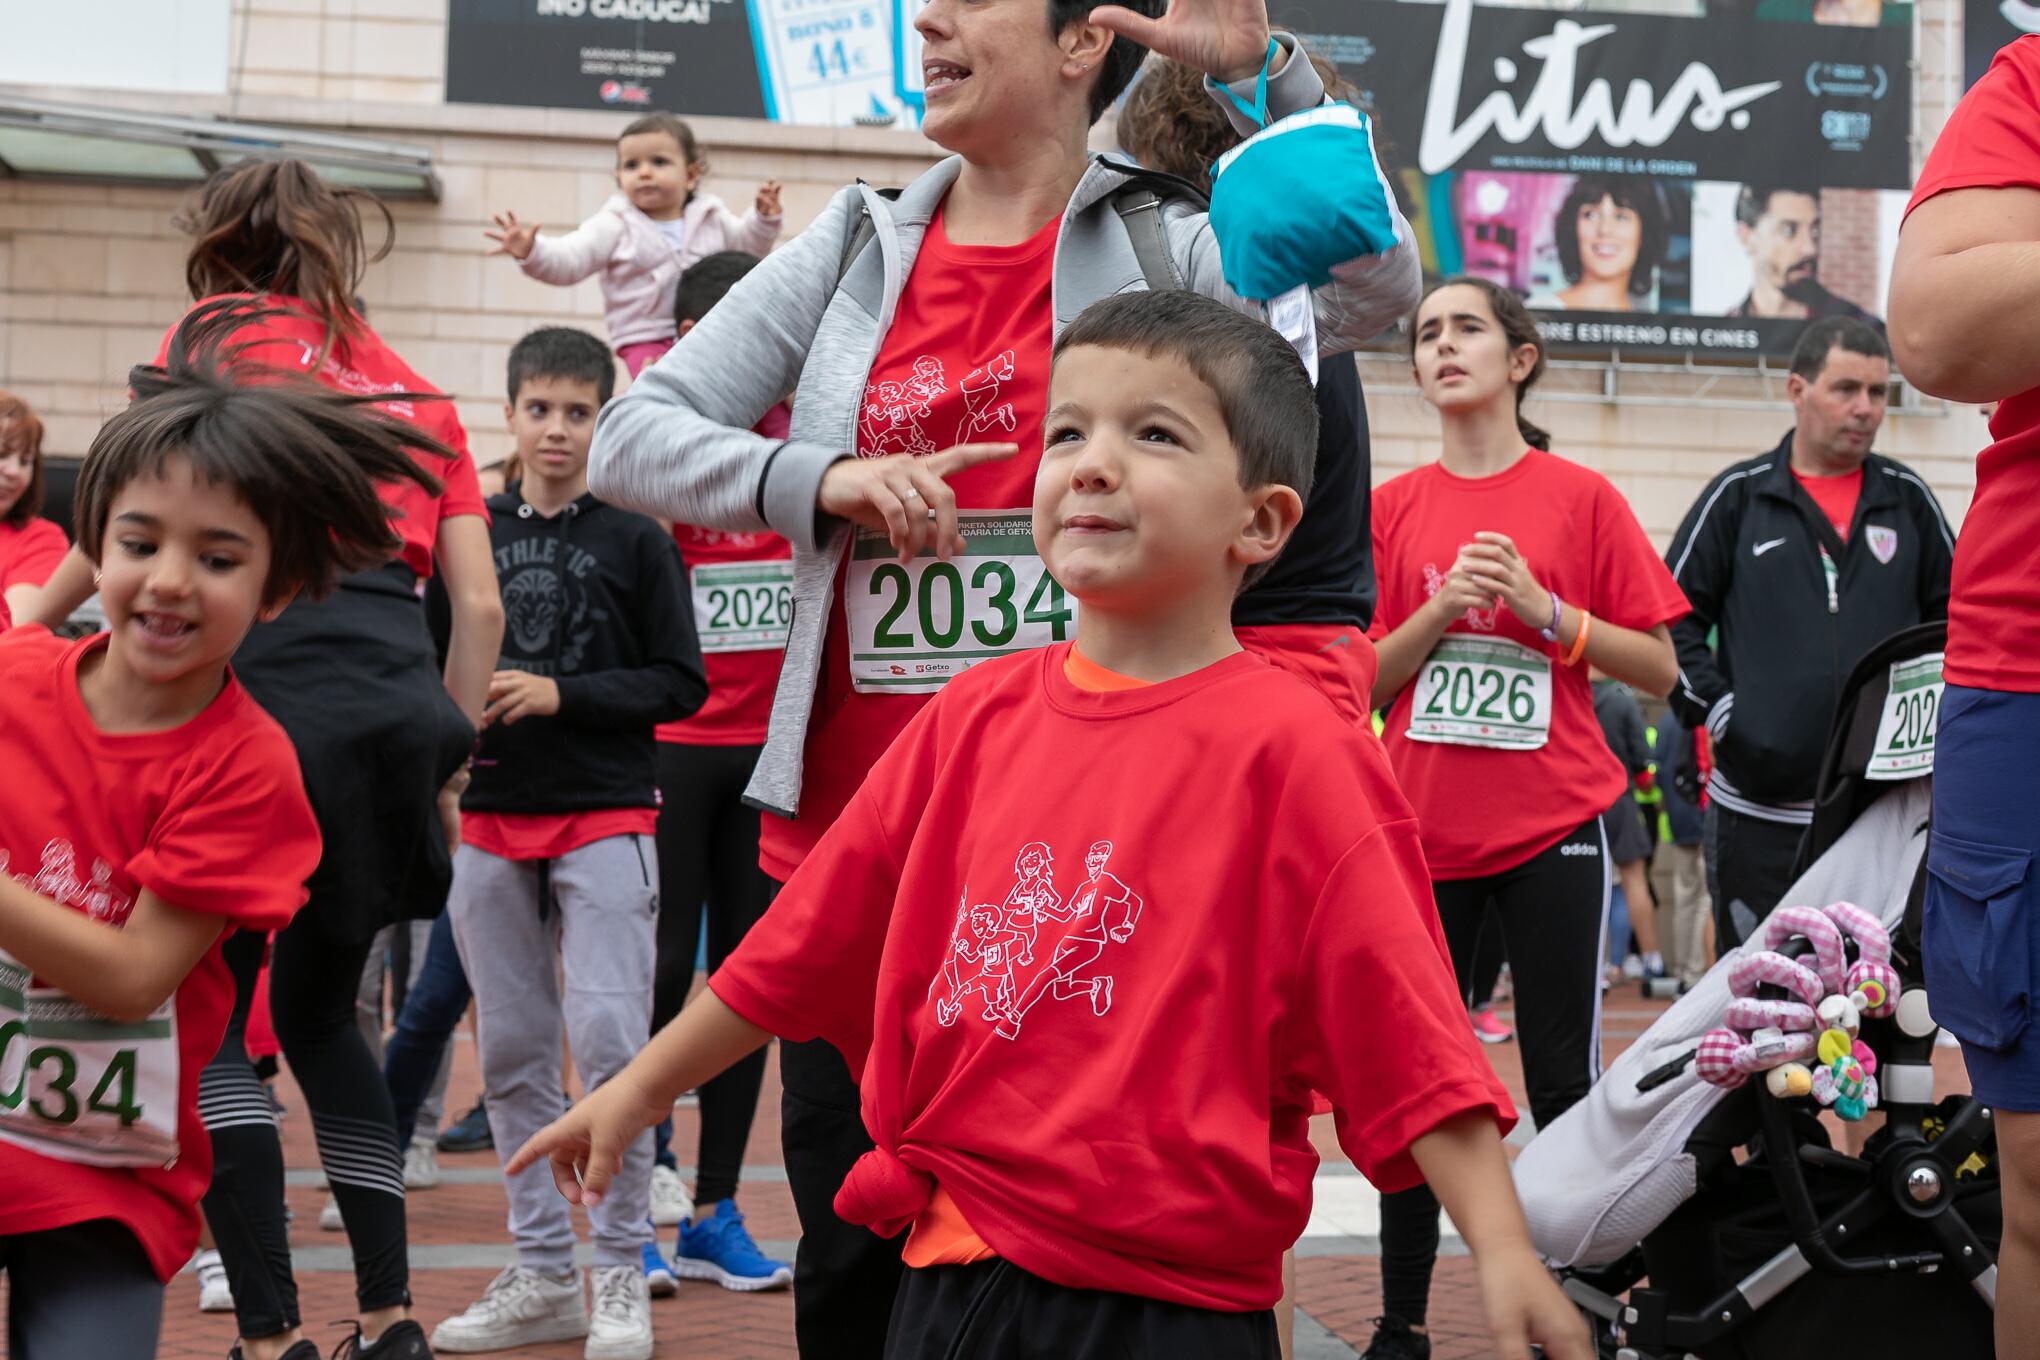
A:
592, 598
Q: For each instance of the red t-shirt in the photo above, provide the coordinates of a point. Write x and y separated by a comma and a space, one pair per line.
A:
548, 835
1992, 141
742, 587
364, 364
1096, 1021
30, 552
211, 817
1484, 809
1836, 497
966, 361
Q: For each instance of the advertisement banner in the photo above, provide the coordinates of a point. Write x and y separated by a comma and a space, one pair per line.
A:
1988, 25
829, 62
1648, 182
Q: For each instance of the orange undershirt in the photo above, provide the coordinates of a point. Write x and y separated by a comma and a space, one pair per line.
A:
940, 1236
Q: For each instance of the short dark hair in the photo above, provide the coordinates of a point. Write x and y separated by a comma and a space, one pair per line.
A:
1755, 199
305, 459
1825, 336
1263, 391
1122, 59
672, 126
21, 432
562, 352
1640, 196
707, 281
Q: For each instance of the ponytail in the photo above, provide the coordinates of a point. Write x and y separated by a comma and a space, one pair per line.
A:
1519, 328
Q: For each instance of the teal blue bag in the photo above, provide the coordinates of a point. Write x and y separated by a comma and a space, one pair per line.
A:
1298, 197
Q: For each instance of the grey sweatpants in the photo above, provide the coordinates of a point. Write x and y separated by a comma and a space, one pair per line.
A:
598, 931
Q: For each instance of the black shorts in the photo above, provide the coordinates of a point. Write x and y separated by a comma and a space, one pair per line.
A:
996, 1311
1628, 842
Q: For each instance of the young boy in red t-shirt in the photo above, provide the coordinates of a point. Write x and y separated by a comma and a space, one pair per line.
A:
150, 809
1106, 914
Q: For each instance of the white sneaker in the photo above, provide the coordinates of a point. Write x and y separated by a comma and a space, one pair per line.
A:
519, 1308
421, 1164
620, 1327
329, 1217
215, 1295
670, 1202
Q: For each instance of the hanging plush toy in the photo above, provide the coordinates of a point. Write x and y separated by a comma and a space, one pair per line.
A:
1871, 983
1845, 1087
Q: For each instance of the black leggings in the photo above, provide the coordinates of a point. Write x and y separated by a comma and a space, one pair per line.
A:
1552, 910
708, 853
313, 977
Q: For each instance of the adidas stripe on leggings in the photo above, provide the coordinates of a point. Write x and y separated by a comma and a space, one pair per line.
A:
313, 978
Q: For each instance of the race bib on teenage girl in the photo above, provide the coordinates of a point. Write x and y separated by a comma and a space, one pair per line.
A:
1905, 730
79, 1087
916, 625
1475, 691
742, 606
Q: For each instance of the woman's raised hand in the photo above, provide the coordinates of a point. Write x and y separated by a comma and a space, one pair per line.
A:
1225, 39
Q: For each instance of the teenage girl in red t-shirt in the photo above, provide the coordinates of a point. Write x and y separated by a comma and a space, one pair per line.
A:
1965, 325
1504, 571
30, 546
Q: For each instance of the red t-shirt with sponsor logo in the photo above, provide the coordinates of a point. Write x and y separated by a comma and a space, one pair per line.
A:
1097, 1022
29, 552
966, 361
211, 817
743, 605
363, 363
1836, 497
1484, 808
1992, 141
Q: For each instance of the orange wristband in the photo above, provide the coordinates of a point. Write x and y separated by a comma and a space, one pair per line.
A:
1579, 642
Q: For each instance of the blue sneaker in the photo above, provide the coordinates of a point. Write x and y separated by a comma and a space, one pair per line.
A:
719, 1249
470, 1133
660, 1281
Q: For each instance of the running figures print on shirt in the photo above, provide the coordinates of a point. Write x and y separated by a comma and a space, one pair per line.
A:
988, 944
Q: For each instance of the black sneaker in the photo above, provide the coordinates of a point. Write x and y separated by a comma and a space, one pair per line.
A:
303, 1350
1393, 1340
403, 1341
470, 1133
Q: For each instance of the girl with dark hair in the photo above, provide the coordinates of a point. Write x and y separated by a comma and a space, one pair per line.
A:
379, 731
1504, 573
30, 547
164, 810
656, 226
1610, 233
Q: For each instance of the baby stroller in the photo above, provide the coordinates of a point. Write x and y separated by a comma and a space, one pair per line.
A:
1697, 1220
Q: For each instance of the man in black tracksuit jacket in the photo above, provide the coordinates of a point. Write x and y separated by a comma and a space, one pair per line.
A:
1793, 605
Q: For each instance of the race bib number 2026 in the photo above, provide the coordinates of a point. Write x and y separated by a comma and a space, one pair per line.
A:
914, 626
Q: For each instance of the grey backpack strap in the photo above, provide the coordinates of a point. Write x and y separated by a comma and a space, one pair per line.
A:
1140, 208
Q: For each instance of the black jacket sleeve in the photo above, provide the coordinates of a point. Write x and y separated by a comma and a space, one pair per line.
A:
1937, 551
671, 684
1702, 559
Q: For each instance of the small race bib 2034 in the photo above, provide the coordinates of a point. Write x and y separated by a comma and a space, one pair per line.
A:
1905, 729
742, 606
79, 1087
1477, 691
914, 626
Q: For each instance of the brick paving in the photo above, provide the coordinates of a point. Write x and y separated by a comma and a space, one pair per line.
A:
451, 1226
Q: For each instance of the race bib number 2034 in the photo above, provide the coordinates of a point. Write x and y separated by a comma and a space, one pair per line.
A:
914, 626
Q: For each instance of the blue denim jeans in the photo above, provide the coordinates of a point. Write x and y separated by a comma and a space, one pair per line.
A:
437, 998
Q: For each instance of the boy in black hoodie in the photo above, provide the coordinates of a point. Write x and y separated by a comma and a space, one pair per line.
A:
557, 853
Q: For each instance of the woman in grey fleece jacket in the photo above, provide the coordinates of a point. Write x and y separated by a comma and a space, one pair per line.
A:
1013, 98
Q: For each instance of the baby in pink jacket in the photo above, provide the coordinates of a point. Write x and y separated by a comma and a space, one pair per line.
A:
645, 236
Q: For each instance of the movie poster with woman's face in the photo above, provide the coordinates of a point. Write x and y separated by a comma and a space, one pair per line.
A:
1709, 180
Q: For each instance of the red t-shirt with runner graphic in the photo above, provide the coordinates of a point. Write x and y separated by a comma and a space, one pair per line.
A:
1836, 497
743, 605
362, 363
1484, 808
211, 817
1097, 1022
1992, 141
966, 361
